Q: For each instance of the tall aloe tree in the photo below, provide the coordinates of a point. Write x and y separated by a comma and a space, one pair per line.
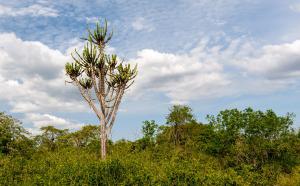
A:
102, 79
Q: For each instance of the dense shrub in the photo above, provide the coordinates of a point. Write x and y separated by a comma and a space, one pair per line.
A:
236, 148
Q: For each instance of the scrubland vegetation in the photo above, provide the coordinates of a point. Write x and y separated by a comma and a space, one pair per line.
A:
234, 147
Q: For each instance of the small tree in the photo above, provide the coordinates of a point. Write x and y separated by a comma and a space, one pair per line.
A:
13, 137
105, 74
85, 136
179, 115
149, 129
50, 137
254, 137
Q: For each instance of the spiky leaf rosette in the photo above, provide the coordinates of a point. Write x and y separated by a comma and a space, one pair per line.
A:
102, 69
73, 70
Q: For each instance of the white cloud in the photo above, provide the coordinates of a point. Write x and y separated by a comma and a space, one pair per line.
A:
29, 59
141, 23
32, 81
32, 77
182, 77
274, 62
32, 10
212, 70
42, 120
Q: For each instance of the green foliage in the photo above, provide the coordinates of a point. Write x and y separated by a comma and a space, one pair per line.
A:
87, 136
13, 137
73, 70
86, 83
254, 137
236, 148
149, 129
179, 115
292, 179
50, 138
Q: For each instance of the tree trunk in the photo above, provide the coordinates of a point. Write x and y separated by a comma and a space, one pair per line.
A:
103, 140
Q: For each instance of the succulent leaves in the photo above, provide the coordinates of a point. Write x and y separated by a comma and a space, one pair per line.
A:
123, 75
73, 70
86, 83
100, 36
94, 63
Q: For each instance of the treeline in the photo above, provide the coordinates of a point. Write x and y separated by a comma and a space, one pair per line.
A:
235, 147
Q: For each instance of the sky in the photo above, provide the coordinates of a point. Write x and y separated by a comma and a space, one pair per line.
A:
210, 55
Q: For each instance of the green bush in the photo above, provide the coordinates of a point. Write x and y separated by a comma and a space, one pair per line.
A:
236, 148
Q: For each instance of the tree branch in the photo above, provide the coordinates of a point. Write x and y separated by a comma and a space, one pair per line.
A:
98, 94
88, 99
114, 114
113, 111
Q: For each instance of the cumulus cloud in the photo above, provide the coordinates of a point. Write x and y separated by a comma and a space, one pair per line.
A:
42, 120
212, 70
32, 82
32, 10
32, 77
274, 62
182, 77
29, 59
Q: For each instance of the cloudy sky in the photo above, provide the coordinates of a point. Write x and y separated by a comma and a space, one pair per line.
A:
211, 55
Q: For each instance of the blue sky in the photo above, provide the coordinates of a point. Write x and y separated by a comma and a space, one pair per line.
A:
211, 55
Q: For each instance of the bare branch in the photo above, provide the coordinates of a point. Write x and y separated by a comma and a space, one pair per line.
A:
114, 114
88, 99
129, 85
116, 104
